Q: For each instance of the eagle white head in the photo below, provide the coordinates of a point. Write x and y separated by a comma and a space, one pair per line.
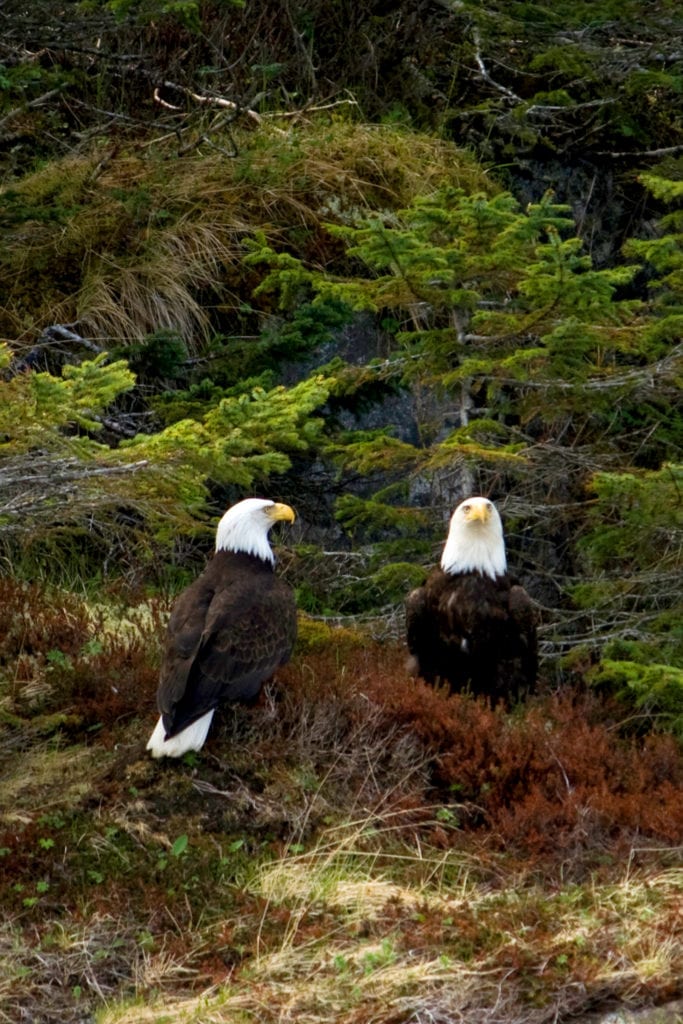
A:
245, 526
475, 540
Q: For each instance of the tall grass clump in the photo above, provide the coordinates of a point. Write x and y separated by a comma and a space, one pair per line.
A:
148, 240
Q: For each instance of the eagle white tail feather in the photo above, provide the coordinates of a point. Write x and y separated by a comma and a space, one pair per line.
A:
192, 738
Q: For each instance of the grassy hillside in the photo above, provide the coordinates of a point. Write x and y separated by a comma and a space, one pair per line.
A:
365, 261
357, 847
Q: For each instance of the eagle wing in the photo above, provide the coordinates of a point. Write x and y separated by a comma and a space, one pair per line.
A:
419, 625
225, 638
524, 616
474, 632
436, 634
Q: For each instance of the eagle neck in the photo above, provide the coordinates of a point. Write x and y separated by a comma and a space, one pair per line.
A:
474, 555
236, 561
243, 539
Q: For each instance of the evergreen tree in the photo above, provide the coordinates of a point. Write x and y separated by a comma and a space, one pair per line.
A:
565, 382
59, 474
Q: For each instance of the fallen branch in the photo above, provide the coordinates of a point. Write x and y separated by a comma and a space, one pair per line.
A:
212, 101
483, 71
663, 151
28, 105
310, 109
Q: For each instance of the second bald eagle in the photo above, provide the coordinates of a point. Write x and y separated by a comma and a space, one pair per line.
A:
471, 625
228, 632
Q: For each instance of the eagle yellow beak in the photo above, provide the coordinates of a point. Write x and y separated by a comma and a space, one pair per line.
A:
479, 510
279, 511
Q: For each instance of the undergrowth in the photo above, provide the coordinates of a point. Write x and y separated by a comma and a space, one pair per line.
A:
356, 840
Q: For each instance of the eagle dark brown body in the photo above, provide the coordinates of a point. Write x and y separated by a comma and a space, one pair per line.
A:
474, 633
471, 625
228, 633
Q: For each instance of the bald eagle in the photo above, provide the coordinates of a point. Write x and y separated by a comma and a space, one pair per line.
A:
228, 631
471, 625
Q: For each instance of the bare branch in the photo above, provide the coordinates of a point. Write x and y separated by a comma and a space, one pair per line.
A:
663, 151
37, 102
485, 74
33, 483
212, 101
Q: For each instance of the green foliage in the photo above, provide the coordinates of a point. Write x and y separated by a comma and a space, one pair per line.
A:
481, 440
371, 451
194, 401
293, 337
565, 59
23, 80
374, 518
316, 635
146, 12
383, 585
482, 289
502, 309
179, 846
654, 690
311, 325
664, 252
240, 440
663, 188
636, 542
159, 357
36, 407
637, 520
287, 274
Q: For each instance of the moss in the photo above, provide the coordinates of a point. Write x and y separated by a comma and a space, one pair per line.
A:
316, 635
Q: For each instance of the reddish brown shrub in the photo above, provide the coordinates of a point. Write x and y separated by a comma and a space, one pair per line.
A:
65, 658
32, 622
549, 777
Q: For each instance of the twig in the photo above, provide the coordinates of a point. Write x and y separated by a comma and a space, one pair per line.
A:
27, 106
485, 74
663, 151
311, 109
212, 101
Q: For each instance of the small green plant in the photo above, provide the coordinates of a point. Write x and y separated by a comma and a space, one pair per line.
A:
447, 816
58, 659
375, 960
179, 847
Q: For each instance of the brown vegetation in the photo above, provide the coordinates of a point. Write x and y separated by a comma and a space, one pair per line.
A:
353, 811
183, 186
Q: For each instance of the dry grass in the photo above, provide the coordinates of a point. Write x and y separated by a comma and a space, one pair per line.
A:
44, 779
358, 947
142, 244
316, 862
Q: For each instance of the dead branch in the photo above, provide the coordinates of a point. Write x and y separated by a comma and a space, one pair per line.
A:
483, 71
37, 102
310, 109
646, 377
212, 101
32, 483
663, 151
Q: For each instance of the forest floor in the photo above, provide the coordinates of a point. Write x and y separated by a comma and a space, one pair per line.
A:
357, 847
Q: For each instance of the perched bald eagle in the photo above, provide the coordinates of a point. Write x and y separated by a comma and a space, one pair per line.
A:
228, 631
471, 625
